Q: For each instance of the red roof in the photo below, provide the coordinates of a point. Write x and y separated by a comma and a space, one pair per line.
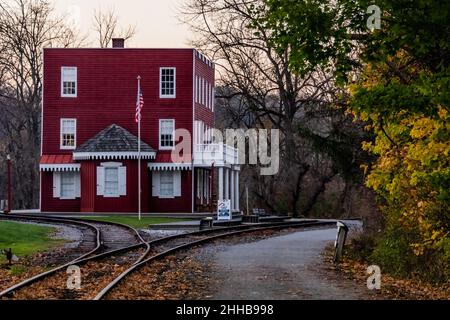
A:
56, 159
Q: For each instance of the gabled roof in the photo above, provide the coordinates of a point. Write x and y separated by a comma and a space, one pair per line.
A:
113, 142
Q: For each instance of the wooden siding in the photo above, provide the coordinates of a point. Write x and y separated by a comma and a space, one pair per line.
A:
50, 204
107, 90
178, 204
202, 113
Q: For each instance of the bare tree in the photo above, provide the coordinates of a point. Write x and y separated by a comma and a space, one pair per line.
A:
258, 89
26, 26
106, 26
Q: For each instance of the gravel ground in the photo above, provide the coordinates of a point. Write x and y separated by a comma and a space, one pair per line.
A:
283, 267
152, 234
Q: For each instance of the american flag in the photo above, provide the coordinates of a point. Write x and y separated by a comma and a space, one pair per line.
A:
139, 103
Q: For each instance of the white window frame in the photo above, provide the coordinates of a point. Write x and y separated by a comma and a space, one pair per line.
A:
156, 184
168, 96
57, 185
115, 194
61, 146
213, 98
72, 195
168, 196
121, 179
173, 135
69, 95
196, 88
207, 94
202, 94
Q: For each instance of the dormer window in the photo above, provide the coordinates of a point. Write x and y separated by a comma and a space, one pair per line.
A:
69, 82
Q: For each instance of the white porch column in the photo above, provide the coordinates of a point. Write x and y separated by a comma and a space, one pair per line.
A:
220, 183
236, 190
227, 184
206, 184
201, 185
232, 189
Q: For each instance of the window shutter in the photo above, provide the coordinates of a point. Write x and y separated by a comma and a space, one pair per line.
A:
122, 181
77, 185
177, 183
100, 181
155, 184
56, 185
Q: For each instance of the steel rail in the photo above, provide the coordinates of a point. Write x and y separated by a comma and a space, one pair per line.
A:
86, 257
35, 278
81, 259
135, 267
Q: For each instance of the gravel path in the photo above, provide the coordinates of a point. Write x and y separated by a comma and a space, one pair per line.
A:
284, 267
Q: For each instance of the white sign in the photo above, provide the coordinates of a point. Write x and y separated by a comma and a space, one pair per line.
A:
224, 210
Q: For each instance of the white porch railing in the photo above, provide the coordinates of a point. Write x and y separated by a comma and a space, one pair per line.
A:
219, 153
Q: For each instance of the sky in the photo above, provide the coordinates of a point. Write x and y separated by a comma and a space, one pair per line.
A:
156, 20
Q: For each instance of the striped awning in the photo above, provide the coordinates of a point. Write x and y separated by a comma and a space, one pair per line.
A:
167, 166
58, 162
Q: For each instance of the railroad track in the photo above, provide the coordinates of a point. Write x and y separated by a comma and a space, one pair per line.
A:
104, 271
163, 247
109, 239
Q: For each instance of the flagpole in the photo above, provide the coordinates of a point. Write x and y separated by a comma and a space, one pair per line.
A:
139, 152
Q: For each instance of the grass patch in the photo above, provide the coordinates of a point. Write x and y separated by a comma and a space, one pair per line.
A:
134, 222
26, 239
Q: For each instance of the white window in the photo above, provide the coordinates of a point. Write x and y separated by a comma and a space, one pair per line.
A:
166, 184
197, 87
167, 83
68, 81
207, 94
213, 99
68, 134
66, 185
211, 96
201, 91
111, 180
166, 134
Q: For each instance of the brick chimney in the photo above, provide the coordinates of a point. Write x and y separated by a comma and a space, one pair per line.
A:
118, 42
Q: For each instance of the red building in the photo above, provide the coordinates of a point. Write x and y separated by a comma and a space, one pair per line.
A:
89, 134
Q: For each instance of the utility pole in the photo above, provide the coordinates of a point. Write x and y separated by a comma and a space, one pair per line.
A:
8, 161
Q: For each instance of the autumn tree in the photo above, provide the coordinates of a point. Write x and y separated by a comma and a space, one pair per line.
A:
399, 80
258, 89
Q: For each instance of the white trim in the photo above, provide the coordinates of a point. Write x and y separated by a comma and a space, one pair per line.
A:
165, 166
173, 135
61, 134
76, 83
60, 167
111, 164
112, 155
167, 96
